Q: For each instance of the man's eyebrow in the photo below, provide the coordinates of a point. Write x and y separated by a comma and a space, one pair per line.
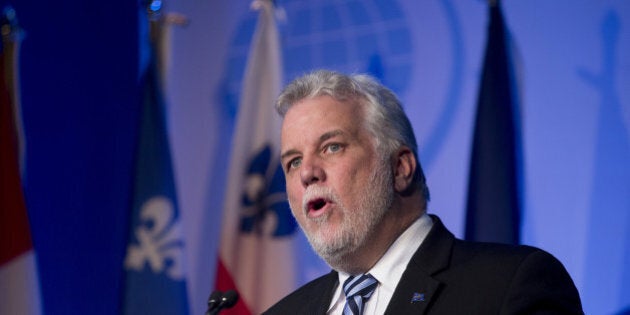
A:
325, 136
330, 134
288, 153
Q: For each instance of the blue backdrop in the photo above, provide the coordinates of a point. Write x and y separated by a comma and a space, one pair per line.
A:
79, 72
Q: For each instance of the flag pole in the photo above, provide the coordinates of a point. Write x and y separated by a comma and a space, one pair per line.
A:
12, 35
159, 31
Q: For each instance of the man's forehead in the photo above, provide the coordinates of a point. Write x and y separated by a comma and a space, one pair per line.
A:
321, 106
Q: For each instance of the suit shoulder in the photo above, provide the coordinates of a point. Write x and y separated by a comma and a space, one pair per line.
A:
518, 271
501, 259
498, 265
494, 251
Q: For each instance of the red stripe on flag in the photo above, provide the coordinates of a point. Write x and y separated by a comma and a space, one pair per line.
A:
15, 238
224, 282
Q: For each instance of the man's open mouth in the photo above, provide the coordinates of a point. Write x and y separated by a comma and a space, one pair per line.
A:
315, 206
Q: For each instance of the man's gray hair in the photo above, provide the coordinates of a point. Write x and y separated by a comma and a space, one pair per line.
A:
385, 117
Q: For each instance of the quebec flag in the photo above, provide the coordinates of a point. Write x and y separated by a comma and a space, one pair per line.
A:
259, 233
155, 280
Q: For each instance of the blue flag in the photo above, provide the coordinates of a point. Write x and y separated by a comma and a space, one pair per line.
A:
154, 264
493, 212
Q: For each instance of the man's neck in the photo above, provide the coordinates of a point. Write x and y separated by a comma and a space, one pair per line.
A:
379, 241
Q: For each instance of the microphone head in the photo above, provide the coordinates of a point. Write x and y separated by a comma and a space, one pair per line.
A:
214, 299
229, 299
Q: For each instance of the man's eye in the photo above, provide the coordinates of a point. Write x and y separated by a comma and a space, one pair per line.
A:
295, 163
334, 147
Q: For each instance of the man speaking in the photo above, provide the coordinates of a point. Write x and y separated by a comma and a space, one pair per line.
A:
356, 187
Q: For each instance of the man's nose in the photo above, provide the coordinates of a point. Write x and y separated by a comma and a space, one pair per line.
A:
311, 172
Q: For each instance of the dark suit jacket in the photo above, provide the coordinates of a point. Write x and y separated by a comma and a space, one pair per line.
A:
451, 276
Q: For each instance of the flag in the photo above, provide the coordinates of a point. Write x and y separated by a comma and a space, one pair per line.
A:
155, 276
493, 212
19, 282
258, 230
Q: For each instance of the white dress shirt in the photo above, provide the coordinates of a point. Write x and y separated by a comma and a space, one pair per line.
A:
388, 270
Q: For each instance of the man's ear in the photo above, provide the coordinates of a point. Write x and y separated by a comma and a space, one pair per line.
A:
404, 169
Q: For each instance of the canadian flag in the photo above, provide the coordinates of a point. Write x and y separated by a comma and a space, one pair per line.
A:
19, 287
258, 231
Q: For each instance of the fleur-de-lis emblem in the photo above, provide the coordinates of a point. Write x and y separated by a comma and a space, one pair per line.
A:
264, 207
159, 240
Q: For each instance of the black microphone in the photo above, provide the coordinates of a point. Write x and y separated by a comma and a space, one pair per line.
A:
213, 301
229, 299
219, 300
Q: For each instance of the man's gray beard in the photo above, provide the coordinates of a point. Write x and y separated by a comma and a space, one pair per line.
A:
357, 225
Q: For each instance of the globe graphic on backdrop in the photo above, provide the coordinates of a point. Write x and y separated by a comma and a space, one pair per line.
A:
350, 36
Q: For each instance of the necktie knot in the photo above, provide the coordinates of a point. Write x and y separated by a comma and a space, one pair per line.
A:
358, 290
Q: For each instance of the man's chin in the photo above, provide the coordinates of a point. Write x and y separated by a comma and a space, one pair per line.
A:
330, 255
339, 259
329, 249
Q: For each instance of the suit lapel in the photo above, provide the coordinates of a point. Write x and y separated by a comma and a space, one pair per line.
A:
320, 302
417, 287
413, 294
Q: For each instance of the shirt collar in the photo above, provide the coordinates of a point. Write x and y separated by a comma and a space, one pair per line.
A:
390, 267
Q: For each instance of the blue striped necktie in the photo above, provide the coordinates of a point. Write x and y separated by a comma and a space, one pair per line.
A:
358, 290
